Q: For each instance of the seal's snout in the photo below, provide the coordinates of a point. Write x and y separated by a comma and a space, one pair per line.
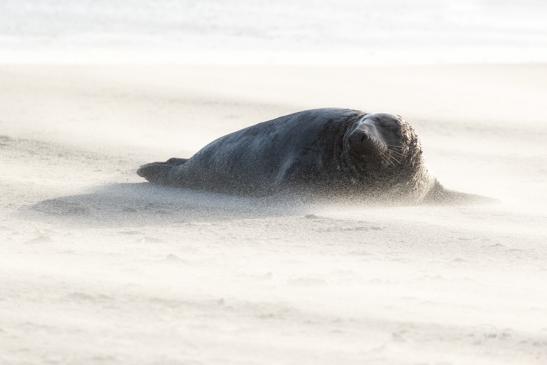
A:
359, 138
361, 143
365, 139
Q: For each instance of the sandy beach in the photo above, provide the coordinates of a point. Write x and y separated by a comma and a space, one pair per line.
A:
99, 267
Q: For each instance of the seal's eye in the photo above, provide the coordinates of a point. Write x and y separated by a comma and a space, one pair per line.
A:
390, 123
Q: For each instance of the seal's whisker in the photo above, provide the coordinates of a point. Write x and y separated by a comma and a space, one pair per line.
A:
395, 157
391, 160
396, 154
395, 160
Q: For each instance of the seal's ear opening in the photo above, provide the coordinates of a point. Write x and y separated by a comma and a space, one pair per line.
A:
439, 195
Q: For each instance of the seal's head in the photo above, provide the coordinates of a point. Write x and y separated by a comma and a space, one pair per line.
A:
383, 151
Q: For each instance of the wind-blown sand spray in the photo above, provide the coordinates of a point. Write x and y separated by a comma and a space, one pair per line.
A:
99, 267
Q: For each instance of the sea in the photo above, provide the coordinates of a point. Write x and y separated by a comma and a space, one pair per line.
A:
266, 31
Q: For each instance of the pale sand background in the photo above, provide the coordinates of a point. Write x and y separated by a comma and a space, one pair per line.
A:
97, 267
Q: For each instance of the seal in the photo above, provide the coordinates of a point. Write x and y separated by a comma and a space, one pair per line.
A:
329, 152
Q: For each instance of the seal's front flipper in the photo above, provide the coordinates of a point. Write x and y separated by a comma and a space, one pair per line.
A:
157, 172
439, 195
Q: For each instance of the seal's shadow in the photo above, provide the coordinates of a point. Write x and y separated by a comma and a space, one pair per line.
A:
146, 204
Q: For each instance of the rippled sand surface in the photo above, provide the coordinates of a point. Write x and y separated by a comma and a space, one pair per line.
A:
98, 267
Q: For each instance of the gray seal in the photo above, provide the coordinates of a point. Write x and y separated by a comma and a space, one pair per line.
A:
328, 152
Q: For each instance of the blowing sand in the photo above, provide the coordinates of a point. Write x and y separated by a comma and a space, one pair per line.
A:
98, 267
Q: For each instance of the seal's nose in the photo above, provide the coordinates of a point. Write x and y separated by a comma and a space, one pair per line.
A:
361, 141
359, 137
